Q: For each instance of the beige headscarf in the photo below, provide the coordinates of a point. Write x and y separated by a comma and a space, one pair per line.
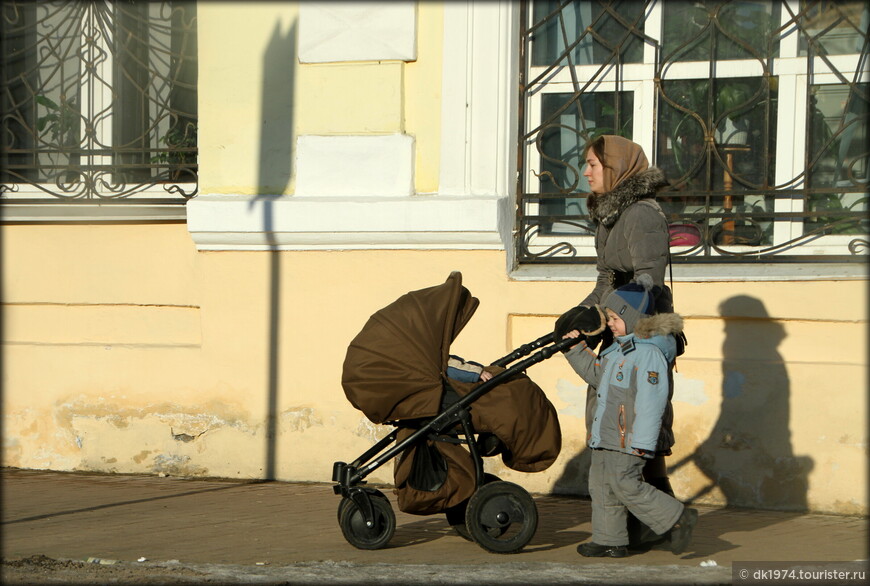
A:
624, 159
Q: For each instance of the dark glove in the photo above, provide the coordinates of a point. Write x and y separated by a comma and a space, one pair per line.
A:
593, 341
589, 321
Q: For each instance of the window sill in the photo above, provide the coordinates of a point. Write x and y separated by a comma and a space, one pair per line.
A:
418, 222
58, 212
708, 272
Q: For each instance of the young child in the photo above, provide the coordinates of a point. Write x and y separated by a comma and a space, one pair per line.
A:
466, 371
631, 377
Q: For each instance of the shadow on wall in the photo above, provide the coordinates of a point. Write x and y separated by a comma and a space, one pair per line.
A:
274, 171
748, 455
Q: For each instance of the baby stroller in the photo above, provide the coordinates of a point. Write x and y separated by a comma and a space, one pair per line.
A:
394, 372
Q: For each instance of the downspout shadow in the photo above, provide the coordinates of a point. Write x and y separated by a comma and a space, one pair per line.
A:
274, 171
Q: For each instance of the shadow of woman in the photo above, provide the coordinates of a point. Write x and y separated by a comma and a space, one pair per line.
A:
748, 455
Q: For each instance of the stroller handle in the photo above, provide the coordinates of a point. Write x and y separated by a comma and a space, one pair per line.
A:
524, 350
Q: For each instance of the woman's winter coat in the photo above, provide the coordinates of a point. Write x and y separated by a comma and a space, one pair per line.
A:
631, 238
630, 386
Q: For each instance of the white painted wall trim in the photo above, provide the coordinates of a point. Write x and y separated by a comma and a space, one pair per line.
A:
427, 222
379, 165
357, 31
478, 108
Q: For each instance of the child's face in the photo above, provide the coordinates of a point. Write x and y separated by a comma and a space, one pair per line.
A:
615, 323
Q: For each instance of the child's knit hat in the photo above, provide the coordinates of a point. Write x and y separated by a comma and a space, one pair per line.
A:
632, 302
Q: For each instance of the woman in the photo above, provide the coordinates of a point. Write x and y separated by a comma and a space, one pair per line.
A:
631, 236
631, 239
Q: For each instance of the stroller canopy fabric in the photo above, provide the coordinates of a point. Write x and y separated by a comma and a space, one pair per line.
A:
394, 367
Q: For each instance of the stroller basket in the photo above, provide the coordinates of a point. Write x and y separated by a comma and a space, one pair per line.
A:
444, 428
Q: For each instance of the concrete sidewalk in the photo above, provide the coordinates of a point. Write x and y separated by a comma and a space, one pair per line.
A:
274, 525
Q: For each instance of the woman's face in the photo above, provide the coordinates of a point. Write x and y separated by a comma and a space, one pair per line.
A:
594, 172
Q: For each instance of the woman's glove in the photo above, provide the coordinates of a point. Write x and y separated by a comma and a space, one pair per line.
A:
589, 321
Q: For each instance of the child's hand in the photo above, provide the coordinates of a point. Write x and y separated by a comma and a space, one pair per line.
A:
572, 334
485, 376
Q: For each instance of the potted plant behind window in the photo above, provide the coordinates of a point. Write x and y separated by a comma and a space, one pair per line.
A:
63, 123
179, 156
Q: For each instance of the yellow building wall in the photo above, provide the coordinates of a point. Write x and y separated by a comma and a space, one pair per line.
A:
127, 350
152, 357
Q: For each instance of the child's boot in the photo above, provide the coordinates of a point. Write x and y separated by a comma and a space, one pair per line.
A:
590, 549
681, 532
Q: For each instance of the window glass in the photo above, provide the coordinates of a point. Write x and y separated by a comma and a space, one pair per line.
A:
834, 28
587, 33
697, 31
739, 114
569, 122
838, 155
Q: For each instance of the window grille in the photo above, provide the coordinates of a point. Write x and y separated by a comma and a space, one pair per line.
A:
99, 102
756, 111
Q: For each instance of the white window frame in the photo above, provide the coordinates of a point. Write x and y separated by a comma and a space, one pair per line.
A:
791, 70
93, 101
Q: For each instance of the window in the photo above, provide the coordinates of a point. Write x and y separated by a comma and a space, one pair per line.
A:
99, 103
756, 111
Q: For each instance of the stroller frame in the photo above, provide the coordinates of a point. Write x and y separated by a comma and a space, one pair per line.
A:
365, 514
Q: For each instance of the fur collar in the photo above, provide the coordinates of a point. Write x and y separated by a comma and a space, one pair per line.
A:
658, 325
607, 207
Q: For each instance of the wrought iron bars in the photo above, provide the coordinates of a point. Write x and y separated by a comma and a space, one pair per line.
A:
98, 101
714, 70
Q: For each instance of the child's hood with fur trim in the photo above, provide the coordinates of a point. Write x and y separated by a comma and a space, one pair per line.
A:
656, 329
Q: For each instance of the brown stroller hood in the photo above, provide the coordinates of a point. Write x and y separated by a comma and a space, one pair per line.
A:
395, 370
394, 367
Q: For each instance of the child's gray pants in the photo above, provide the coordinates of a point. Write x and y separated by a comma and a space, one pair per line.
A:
615, 483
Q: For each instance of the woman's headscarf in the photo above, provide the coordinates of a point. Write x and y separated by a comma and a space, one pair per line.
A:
623, 159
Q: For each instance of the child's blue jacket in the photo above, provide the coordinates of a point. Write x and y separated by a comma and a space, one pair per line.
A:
631, 378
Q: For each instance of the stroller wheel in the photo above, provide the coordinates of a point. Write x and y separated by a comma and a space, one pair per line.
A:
501, 517
342, 505
353, 524
456, 514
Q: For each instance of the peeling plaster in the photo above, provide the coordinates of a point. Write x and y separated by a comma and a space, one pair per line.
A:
184, 437
848, 440
175, 416
300, 419
141, 456
176, 465
370, 431
689, 390
95, 433
574, 396
851, 507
